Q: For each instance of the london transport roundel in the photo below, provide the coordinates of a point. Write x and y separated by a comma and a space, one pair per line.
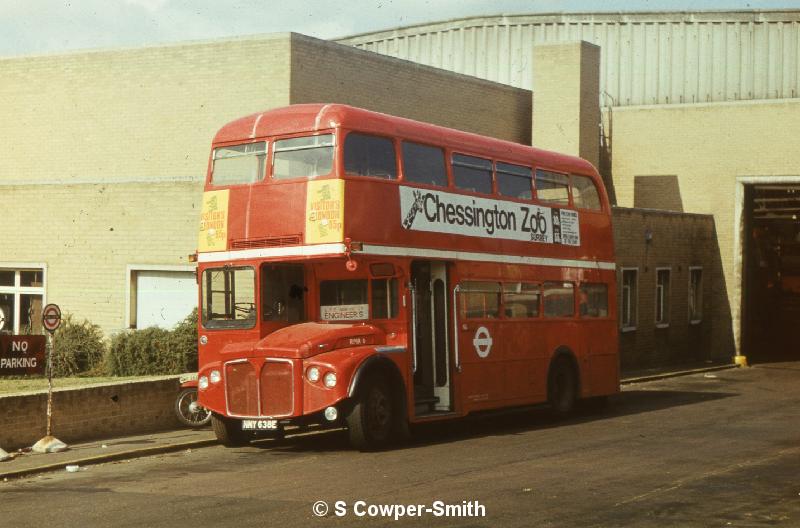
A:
482, 342
51, 317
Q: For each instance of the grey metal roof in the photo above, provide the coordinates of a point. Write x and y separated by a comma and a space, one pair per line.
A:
647, 58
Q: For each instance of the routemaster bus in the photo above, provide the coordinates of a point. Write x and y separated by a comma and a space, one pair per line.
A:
368, 271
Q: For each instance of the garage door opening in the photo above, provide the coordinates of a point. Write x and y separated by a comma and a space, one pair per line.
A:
771, 274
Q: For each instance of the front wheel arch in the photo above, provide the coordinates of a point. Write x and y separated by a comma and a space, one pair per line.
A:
383, 369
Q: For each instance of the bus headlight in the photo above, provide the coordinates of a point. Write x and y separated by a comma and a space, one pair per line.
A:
215, 376
330, 380
313, 374
202, 383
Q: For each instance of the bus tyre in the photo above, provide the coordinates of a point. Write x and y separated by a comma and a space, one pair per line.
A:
228, 432
372, 420
562, 387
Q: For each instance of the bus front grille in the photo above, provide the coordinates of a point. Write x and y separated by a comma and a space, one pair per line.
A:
277, 395
241, 389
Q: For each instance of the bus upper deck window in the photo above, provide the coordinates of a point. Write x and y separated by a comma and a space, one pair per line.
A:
552, 187
472, 174
424, 164
584, 193
238, 164
513, 180
303, 157
366, 155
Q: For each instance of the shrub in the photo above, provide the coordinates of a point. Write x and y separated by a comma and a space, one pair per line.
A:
78, 348
151, 351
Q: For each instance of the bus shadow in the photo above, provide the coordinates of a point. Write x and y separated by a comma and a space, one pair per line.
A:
506, 422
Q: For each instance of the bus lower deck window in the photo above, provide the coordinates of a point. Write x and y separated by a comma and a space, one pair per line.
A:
559, 299
594, 300
480, 300
228, 298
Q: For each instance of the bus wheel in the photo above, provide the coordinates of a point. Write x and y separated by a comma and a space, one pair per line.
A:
372, 419
562, 387
228, 432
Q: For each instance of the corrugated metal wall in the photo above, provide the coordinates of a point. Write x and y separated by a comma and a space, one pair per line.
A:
647, 58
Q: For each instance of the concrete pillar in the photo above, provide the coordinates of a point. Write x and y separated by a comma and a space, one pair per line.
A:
566, 99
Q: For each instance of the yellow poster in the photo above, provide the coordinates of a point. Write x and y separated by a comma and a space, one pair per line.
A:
325, 211
214, 222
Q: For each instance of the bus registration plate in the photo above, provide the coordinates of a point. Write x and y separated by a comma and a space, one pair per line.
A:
259, 425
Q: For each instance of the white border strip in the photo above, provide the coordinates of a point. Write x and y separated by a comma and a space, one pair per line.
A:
285, 251
484, 257
369, 249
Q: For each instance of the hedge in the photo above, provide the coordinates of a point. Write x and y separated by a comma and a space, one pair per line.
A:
78, 348
152, 351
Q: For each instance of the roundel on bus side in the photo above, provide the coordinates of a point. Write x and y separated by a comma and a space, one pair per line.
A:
482, 342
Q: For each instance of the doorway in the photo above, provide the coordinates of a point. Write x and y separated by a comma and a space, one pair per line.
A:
432, 339
771, 271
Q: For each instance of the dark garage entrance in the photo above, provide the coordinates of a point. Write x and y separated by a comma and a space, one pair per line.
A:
771, 260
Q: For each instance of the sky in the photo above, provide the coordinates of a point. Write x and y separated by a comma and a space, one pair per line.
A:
52, 26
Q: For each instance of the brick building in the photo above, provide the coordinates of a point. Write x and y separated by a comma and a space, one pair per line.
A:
106, 152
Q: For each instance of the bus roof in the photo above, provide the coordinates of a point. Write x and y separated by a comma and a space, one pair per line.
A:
315, 117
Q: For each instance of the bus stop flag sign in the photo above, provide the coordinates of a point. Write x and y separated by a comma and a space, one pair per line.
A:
51, 320
51, 317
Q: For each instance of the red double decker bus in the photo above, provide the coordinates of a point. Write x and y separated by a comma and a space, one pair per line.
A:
370, 271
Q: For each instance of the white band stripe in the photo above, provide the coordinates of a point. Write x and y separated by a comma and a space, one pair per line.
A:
369, 249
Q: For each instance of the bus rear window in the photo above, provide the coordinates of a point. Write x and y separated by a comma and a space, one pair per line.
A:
552, 187
303, 157
229, 299
584, 193
238, 164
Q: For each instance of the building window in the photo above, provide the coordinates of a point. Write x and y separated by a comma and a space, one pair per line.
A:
662, 297
695, 294
628, 303
160, 296
21, 299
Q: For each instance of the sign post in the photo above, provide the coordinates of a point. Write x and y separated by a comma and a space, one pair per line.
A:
51, 320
